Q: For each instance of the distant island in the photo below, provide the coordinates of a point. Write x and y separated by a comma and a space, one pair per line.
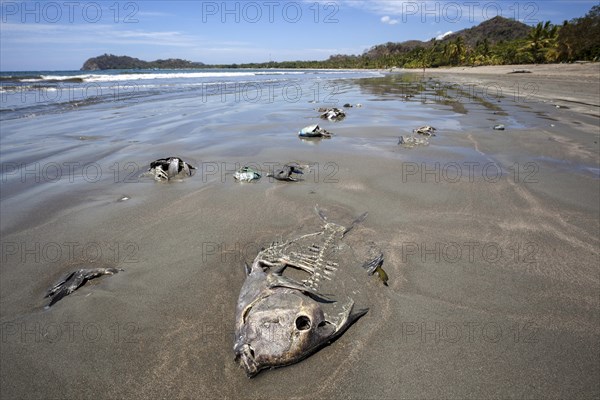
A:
497, 41
109, 61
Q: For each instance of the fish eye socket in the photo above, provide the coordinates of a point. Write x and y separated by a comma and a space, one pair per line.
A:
303, 323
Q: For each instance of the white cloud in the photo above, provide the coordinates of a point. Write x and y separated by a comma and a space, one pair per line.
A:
436, 10
387, 20
394, 7
98, 34
443, 35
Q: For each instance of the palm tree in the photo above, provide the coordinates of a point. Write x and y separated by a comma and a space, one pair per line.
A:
542, 42
455, 50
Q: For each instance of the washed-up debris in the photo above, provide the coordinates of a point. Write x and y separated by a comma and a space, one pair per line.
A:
246, 174
285, 173
349, 105
375, 267
75, 280
124, 198
411, 141
332, 114
281, 320
519, 71
425, 130
165, 169
499, 127
314, 131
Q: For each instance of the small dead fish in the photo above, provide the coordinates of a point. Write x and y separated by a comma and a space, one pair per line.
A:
499, 127
169, 168
280, 320
75, 280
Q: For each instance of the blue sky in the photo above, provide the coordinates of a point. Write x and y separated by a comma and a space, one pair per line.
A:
62, 34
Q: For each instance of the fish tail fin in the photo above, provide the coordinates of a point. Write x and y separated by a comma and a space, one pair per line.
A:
357, 221
372, 265
320, 213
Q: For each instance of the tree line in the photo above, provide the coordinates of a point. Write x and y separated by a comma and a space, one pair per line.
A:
494, 42
575, 40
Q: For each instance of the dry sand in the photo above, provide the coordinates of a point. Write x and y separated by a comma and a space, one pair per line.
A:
491, 241
578, 84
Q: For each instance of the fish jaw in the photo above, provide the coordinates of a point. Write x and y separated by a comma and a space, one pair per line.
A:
244, 355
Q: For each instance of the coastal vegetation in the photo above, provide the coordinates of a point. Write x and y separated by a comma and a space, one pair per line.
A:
497, 41
109, 61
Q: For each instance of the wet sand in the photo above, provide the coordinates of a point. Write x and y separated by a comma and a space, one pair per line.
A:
491, 241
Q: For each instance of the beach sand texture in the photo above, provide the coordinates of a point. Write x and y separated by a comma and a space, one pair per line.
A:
491, 240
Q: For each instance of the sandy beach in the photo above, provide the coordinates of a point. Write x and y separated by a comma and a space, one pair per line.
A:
491, 240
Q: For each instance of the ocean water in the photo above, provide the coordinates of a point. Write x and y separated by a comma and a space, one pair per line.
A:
33, 93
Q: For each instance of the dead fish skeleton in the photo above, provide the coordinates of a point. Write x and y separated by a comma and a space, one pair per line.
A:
280, 320
168, 168
75, 280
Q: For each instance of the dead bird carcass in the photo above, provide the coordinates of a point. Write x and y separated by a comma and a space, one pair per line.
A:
75, 280
288, 171
281, 320
425, 130
165, 169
